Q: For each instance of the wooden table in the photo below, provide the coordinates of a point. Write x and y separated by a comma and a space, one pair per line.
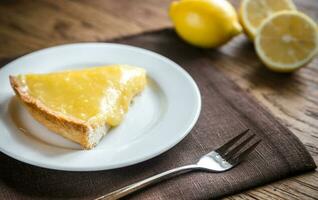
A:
26, 26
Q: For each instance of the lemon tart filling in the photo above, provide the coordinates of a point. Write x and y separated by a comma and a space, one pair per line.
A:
93, 95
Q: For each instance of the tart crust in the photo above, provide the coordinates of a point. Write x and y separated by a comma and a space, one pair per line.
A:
69, 127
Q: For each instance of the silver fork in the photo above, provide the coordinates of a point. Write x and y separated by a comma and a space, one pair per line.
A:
222, 159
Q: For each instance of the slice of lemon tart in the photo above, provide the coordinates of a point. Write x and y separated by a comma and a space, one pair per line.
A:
81, 105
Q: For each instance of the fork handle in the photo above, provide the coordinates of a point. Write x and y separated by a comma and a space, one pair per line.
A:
146, 182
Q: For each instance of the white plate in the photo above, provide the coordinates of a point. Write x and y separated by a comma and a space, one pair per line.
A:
158, 119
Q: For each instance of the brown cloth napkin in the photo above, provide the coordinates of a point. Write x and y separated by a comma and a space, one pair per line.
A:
226, 110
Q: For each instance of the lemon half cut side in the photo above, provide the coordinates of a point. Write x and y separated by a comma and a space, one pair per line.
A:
253, 12
287, 41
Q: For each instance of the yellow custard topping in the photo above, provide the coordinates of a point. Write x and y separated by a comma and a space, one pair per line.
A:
91, 94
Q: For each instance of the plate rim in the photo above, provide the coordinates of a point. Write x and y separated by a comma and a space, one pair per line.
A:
129, 162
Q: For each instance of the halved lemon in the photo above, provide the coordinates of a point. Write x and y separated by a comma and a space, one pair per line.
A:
253, 12
287, 41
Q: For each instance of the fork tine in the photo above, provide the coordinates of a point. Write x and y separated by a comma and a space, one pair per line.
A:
221, 150
238, 147
240, 156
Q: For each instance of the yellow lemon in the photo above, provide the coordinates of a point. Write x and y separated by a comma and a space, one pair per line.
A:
287, 41
253, 12
205, 23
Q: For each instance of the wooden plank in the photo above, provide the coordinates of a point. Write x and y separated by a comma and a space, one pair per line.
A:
26, 26
30, 25
299, 187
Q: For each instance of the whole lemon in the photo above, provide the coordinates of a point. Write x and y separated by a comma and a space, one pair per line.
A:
205, 23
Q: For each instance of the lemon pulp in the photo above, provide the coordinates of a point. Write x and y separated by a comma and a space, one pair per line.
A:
253, 12
91, 94
287, 40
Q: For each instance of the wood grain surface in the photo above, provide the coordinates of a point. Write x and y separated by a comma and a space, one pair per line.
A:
26, 26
